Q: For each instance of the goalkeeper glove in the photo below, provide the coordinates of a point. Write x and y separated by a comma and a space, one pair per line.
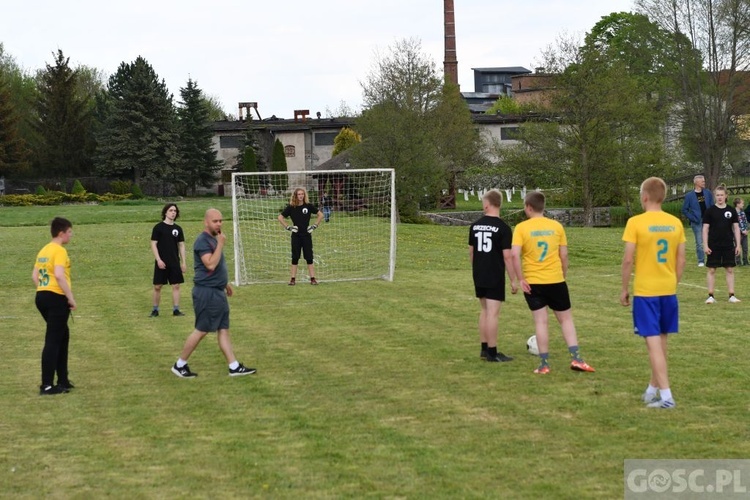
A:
293, 229
312, 228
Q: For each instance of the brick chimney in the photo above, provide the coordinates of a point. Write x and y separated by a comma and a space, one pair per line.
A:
450, 64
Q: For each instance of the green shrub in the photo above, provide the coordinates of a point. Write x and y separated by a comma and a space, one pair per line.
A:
78, 188
40, 190
136, 192
121, 187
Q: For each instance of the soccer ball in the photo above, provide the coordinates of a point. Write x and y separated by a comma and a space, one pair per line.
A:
531, 346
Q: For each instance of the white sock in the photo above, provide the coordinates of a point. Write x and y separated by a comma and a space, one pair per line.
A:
234, 365
666, 394
181, 362
651, 390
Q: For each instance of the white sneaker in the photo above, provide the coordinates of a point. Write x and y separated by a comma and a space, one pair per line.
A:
710, 300
650, 398
662, 404
701, 264
734, 299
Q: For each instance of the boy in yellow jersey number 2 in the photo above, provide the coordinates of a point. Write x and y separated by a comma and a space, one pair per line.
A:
540, 258
655, 245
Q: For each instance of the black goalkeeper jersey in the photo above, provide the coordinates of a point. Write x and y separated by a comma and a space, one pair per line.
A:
300, 215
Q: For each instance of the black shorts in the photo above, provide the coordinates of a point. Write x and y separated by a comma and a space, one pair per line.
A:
554, 295
497, 293
721, 258
172, 275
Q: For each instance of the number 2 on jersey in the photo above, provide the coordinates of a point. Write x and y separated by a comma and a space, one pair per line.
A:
663, 247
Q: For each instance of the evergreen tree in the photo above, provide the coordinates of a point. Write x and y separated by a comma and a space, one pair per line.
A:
63, 123
278, 164
138, 138
22, 88
199, 163
12, 147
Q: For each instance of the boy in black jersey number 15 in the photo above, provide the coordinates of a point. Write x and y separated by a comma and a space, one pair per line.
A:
300, 210
490, 254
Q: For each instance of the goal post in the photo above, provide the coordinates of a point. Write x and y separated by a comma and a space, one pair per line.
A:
358, 242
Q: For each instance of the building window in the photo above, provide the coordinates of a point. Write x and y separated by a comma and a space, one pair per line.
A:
509, 133
290, 151
231, 141
325, 138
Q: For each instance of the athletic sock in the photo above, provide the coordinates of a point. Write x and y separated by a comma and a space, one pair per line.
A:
545, 359
484, 346
710, 294
651, 390
234, 365
666, 394
156, 308
176, 308
492, 351
574, 354
180, 363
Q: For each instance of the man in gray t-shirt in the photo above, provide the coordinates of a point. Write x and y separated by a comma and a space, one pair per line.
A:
210, 297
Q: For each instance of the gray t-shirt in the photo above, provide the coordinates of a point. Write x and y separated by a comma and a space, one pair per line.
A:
218, 278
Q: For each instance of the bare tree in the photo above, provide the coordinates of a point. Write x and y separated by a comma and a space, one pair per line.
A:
713, 48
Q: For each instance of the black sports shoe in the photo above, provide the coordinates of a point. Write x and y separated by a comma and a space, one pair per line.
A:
49, 390
177, 312
154, 313
183, 372
500, 358
67, 386
483, 354
241, 370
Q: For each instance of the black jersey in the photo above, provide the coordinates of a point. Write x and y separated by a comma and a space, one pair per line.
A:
720, 220
167, 238
300, 215
489, 236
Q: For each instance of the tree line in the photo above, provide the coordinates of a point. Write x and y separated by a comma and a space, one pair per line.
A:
64, 122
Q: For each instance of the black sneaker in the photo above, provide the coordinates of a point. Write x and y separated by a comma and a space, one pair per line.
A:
49, 390
154, 313
177, 312
183, 372
241, 370
66, 386
500, 358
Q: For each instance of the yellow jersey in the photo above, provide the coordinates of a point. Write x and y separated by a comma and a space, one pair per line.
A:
53, 254
656, 236
540, 239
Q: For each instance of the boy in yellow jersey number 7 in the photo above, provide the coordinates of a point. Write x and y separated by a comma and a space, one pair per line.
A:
540, 258
655, 244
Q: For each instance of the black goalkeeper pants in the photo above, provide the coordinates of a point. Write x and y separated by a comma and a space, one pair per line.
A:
302, 243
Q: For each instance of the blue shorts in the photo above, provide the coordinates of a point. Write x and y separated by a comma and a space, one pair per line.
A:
655, 315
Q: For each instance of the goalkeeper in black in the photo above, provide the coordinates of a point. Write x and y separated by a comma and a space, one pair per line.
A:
300, 210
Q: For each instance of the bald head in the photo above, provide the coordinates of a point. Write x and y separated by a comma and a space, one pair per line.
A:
212, 221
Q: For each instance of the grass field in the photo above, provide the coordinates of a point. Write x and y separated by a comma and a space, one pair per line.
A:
364, 389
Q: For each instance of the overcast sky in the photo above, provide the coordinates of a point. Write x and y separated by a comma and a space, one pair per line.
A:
286, 54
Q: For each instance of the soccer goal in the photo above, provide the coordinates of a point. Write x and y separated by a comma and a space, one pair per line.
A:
358, 242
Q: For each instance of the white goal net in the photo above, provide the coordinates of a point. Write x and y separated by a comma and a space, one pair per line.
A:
357, 243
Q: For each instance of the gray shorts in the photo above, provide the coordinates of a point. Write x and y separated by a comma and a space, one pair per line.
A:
211, 309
